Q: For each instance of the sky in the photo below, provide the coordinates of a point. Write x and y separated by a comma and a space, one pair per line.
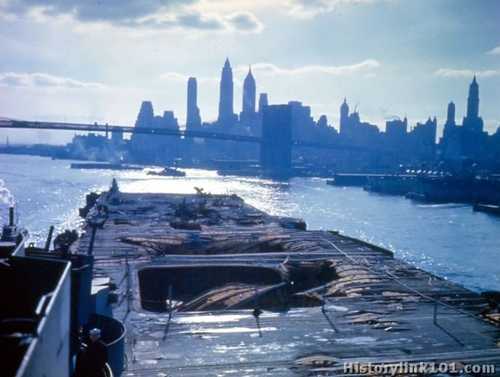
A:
96, 60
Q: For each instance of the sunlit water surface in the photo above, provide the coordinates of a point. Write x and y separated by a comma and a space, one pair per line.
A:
449, 240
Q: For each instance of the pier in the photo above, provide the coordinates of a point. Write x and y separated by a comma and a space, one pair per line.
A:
207, 285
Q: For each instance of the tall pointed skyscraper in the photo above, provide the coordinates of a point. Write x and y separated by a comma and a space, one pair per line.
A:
472, 120
249, 93
226, 112
473, 100
344, 117
193, 119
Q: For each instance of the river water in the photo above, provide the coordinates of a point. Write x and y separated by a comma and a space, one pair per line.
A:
449, 240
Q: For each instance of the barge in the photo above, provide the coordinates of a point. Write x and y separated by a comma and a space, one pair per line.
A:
207, 285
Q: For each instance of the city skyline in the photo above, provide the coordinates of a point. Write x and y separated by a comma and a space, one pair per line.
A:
280, 133
108, 62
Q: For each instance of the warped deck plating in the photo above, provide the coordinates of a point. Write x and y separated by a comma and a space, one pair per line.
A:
325, 298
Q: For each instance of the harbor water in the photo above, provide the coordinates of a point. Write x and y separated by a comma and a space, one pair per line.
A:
449, 240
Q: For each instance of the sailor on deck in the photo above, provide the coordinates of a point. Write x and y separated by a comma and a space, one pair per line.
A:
92, 361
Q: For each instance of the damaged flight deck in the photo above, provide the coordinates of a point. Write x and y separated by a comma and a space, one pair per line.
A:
207, 285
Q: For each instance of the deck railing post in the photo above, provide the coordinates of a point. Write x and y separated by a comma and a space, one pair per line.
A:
435, 313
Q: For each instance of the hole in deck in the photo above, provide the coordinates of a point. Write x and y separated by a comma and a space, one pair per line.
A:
189, 282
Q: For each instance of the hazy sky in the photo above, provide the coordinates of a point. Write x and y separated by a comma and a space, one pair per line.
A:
96, 60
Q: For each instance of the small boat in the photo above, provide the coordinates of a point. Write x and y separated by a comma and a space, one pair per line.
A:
167, 172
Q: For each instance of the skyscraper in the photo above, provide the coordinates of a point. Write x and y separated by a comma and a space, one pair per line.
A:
472, 120
473, 100
141, 143
450, 118
226, 112
249, 93
193, 119
146, 115
263, 102
344, 117
451, 142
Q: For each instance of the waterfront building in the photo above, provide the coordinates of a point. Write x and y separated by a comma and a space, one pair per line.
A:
168, 120
395, 139
154, 148
193, 119
422, 141
396, 131
146, 115
353, 130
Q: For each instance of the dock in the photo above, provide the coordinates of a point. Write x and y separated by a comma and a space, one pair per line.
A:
207, 285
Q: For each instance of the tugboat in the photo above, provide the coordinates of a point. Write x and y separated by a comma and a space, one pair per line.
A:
167, 172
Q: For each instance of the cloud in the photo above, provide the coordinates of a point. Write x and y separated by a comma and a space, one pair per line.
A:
151, 14
190, 20
366, 66
466, 73
494, 51
312, 8
95, 10
244, 21
197, 21
44, 80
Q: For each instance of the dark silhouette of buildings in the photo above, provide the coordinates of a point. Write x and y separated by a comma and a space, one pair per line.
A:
396, 131
323, 121
368, 149
193, 119
468, 141
354, 131
149, 148
359, 146
302, 121
422, 141
226, 118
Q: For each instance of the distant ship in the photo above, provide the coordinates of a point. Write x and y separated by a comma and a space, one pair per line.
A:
167, 172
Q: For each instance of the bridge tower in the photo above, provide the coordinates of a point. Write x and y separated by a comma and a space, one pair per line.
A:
276, 147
